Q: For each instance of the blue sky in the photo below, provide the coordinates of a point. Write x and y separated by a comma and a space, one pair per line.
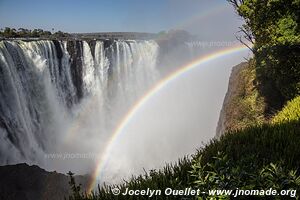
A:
120, 15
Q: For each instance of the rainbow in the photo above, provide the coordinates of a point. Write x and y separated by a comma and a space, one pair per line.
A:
151, 93
196, 18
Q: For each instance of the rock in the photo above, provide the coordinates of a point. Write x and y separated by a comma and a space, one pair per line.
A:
24, 182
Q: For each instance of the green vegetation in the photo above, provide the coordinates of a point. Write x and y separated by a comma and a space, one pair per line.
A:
291, 112
256, 152
223, 173
273, 28
244, 158
259, 157
75, 188
26, 33
244, 105
172, 175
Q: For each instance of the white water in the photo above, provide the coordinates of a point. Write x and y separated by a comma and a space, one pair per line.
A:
70, 106
40, 112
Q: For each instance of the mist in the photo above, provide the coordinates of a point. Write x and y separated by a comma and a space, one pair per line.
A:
65, 110
68, 119
173, 123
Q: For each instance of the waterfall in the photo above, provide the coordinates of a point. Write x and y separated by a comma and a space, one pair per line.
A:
30, 85
103, 64
45, 86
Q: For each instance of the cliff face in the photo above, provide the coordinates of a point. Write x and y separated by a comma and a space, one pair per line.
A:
242, 106
24, 182
231, 92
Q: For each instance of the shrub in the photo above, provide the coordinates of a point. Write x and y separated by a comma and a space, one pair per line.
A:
291, 112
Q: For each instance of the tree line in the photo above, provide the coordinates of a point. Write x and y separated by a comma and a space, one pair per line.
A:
8, 32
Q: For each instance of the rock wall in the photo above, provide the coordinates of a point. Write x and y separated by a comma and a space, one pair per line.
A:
24, 182
232, 92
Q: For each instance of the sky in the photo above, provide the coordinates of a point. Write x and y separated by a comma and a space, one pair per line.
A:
206, 18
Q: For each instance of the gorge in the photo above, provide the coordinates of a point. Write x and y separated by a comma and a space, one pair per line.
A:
63, 98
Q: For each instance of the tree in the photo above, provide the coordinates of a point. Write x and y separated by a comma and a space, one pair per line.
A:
75, 188
9, 32
273, 28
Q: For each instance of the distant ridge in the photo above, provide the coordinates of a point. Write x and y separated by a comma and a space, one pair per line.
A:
115, 35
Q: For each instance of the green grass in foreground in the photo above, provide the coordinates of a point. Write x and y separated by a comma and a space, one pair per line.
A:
259, 157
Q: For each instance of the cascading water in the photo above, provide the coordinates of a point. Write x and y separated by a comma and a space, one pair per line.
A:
53, 89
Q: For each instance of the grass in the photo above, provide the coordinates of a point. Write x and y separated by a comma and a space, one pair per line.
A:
249, 152
260, 156
291, 112
259, 144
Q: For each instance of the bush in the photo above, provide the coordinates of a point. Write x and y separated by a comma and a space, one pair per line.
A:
291, 112
222, 174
